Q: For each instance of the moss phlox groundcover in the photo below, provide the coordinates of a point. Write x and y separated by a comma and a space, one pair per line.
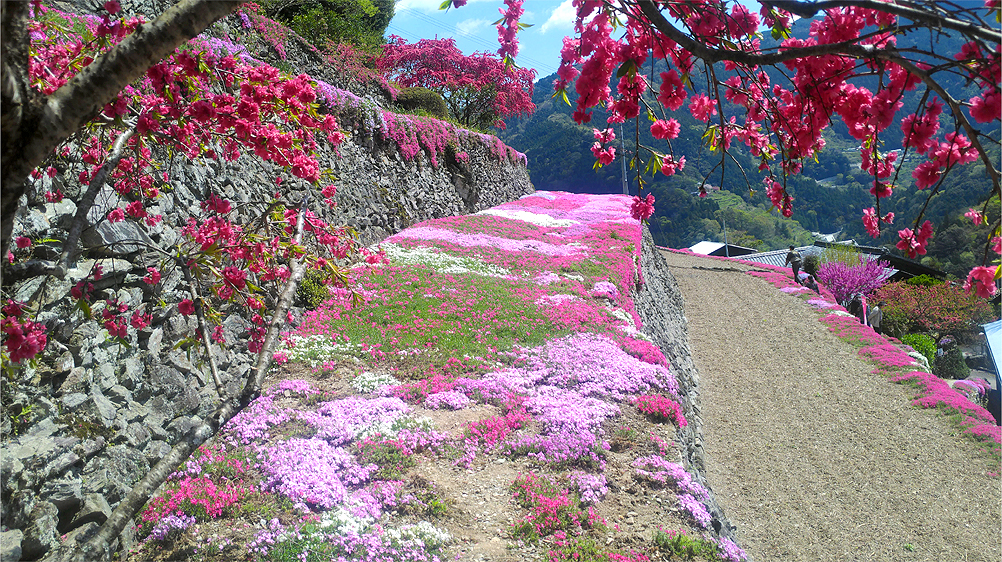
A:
523, 311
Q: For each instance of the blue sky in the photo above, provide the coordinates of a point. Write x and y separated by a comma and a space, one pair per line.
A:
471, 27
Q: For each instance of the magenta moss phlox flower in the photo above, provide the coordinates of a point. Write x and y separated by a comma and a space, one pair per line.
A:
937, 392
888, 355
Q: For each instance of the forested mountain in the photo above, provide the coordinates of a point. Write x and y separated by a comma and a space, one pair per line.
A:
829, 196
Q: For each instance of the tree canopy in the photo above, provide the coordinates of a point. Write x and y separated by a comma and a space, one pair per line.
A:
787, 92
480, 89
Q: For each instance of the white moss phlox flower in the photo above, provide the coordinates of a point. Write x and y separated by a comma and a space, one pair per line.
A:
367, 381
534, 218
445, 263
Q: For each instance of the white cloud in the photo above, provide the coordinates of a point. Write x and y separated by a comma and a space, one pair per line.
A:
471, 27
562, 17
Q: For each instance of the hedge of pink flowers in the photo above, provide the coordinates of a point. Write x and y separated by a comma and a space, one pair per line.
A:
525, 309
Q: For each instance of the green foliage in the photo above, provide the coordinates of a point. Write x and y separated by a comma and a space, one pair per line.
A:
312, 292
418, 98
951, 365
678, 543
840, 253
393, 461
623, 437
358, 22
924, 281
922, 343
811, 263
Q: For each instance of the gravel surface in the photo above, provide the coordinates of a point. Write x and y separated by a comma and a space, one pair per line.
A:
811, 455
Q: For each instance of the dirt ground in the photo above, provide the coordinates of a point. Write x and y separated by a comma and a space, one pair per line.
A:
811, 455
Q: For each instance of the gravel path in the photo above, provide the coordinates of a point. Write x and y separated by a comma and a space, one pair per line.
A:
810, 455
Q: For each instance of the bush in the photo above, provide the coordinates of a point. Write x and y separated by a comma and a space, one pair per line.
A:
924, 281
951, 365
312, 292
422, 98
359, 22
811, 263
923, 344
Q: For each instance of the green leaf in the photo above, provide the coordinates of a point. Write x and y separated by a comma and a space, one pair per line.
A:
498, 22
596, 165
522, 26
628, 67
445, 5
654, 165
85, 307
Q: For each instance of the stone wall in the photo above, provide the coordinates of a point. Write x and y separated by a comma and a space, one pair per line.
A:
662, 309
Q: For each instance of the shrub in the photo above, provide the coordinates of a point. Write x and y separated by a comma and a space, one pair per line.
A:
951, 365
923, 344
924, 281
416, 98
811, 264
312, 292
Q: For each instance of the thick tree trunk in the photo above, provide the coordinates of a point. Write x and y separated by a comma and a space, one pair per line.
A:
33, 125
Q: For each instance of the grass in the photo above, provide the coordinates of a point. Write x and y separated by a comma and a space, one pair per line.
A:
423, 322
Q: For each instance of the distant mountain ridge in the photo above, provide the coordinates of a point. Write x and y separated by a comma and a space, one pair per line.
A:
830, 194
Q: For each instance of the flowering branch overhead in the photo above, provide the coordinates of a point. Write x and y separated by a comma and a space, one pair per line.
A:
831, 77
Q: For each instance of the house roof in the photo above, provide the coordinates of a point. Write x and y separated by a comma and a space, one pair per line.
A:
706, 248
900, 266
778, 257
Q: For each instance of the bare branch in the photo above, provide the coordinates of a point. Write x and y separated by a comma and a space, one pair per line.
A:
203, 327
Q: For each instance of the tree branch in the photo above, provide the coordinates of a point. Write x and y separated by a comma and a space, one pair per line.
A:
203, 327
926, 17
99, 547
70, 107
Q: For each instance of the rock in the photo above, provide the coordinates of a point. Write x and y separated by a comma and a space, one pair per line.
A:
63, 363
114, 473
103, 407
119, 395
135, 435
154, 342
40, 535
180, 427
63, 462
132, 373
73, 401
156, 451
84, 336
65, 493
82, 534
95, 509
10, 545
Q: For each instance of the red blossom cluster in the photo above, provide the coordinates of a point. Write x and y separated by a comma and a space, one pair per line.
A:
203, 106
23, 338
480, 89
786, 122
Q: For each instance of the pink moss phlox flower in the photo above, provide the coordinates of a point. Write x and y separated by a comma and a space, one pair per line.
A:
313, 471
661, 408
888, 355
936, 392
605, 289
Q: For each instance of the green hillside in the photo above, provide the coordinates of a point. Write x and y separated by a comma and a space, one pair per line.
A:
829, 196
